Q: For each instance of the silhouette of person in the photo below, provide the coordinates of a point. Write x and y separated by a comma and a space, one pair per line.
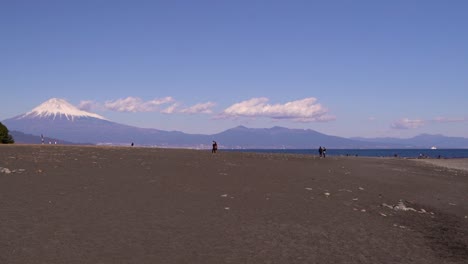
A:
132, 144
215, 147
324, 150
320, 150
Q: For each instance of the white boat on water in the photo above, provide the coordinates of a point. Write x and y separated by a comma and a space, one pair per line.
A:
433, 147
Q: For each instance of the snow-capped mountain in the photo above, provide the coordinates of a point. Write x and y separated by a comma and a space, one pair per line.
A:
58, 108
57, 118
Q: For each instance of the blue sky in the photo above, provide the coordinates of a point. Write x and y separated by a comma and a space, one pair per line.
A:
345, 68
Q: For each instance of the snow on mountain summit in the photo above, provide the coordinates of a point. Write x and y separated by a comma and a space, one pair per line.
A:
56, 108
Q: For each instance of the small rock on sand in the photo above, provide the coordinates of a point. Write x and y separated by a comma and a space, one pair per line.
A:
5, 170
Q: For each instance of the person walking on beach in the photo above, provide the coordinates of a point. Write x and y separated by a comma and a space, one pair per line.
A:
215, 147
324, 151
320, 150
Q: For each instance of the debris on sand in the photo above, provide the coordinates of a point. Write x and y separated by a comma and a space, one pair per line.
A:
5, 170
308, 188
361, 189
8, 171
327, 194
224, 195
401, 206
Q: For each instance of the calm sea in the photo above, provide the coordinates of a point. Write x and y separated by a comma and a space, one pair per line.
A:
406, 153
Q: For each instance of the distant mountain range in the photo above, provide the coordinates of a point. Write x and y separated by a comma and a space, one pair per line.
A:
58, 119
23, 138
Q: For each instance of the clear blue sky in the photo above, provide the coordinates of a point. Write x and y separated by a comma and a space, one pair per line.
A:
375, 68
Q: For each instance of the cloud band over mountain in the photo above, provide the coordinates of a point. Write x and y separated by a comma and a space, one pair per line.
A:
406, 123
135, 104
303, 110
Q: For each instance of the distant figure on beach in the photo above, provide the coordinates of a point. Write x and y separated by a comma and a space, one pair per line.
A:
215, 147
132, 144
324, 150
320, 150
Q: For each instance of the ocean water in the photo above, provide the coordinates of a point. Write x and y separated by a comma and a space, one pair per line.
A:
405, 153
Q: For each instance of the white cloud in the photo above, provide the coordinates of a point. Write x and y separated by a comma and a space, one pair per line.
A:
304, 110
449, 120
406, 123
135, 104
170, 109
88, 105
202, 108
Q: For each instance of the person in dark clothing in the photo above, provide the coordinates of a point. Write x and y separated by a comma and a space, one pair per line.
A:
324, 152
320, 150
215, 147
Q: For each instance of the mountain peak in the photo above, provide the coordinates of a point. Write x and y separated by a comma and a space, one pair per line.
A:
56, 107
239, 128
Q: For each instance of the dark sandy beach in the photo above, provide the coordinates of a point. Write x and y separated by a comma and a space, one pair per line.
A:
70, 204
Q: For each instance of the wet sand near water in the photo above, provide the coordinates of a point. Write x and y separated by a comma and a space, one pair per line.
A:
87, 204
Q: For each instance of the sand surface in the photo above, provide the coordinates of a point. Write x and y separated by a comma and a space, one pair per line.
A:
67, 204
458, 164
